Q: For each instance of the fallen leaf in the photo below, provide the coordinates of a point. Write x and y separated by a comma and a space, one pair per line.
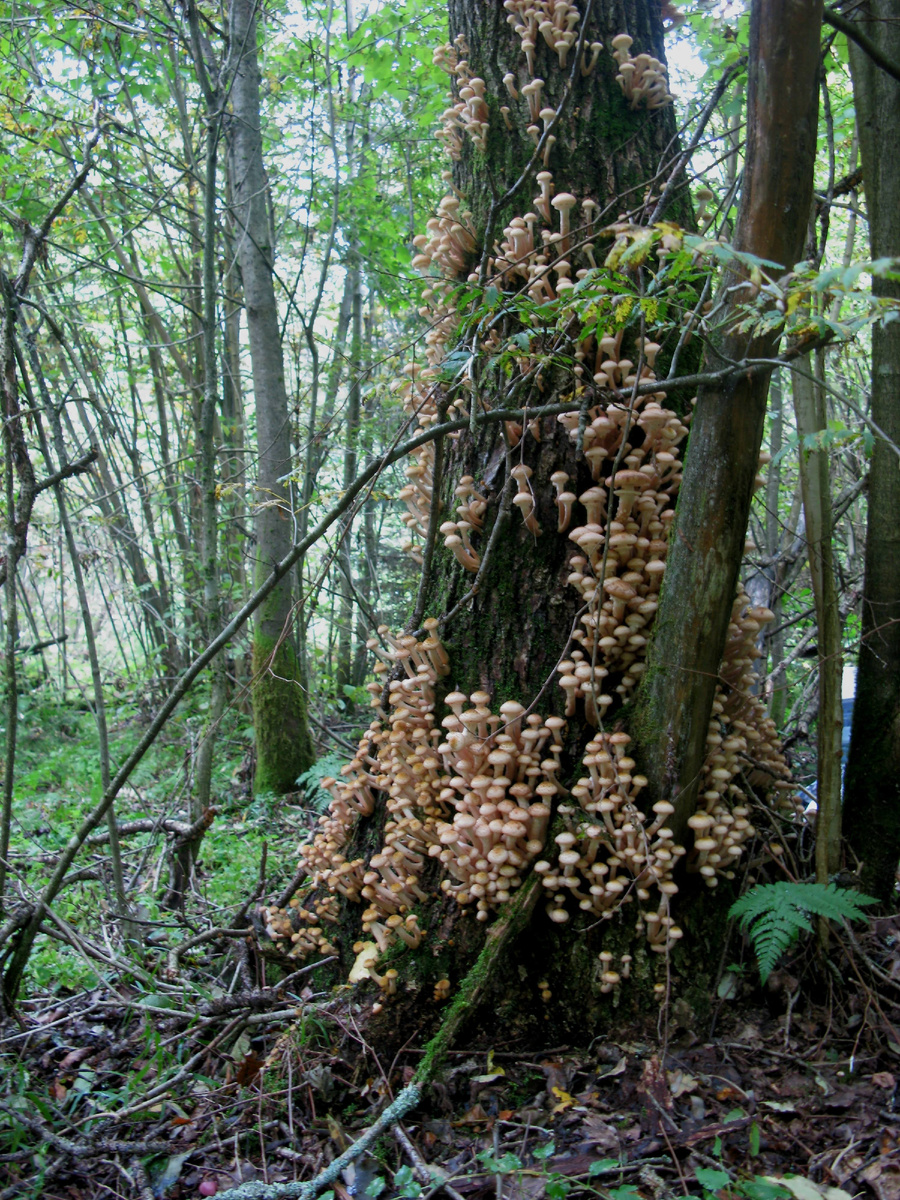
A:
248, 1069
241, 1047
618, 1069
559, 1074
884, 1079
600, 1133
883, 1179
564, 1100
74, 1057
804, 1189
728, 986
475, 1116
680, 1083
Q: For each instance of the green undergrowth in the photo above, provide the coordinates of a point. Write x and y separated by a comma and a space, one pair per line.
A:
58, 782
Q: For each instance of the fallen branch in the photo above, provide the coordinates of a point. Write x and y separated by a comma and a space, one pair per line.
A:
405, 1102
514, 919
428, 1176
83, 1149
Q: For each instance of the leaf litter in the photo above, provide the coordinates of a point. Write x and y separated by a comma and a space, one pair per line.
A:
790, 1087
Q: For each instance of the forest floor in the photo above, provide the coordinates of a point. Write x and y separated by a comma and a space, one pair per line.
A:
143, 1075
114, 1092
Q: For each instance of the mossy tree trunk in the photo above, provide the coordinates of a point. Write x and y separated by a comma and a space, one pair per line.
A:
283, 743
509, 620
726, 434
872, 786
509, 639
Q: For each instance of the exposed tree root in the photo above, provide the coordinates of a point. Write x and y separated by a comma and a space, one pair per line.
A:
513, 918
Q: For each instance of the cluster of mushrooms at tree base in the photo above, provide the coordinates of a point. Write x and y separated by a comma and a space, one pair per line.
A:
475, 793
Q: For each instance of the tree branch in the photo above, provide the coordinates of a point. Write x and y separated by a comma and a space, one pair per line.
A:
78, 467
851, 29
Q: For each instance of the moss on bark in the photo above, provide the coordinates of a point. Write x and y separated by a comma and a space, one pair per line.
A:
284, 747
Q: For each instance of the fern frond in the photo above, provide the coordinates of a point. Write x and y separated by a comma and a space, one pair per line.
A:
773, 915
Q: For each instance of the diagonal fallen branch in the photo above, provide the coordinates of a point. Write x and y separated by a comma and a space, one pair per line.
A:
513, 920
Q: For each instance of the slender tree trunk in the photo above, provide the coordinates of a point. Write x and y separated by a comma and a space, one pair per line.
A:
62, 458
809, 406
726, 433
15, 457
872, 786
283, 744
344, 667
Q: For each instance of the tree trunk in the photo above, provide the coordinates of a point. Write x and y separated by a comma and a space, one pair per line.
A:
726, 433
872, 784
809, 408
283, 743
491, 806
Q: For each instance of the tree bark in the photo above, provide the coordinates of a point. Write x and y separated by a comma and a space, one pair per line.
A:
872, 782
726, 433
283, 743
809, 407
526, 614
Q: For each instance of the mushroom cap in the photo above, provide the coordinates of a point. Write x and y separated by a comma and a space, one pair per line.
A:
618, 589
633, 481
563, 200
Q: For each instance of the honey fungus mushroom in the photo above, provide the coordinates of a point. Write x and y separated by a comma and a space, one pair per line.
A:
481, 791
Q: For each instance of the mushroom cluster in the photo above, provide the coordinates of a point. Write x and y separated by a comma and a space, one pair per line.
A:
473, 792
744, 753
642, 78
633, 452
500, 787
300, 929
470, 792
555, 21
538, 260
610, 853
542, 257
476, 794
470, 512
469, 114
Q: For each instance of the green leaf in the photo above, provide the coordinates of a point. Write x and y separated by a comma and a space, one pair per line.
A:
602, 1165
763, 1189
710, 1179
754, 1139
557, 1187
